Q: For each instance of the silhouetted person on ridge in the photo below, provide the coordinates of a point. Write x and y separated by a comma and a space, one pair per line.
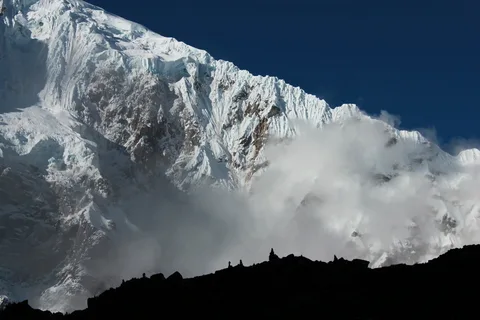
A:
272, 256
229, 264
240, 264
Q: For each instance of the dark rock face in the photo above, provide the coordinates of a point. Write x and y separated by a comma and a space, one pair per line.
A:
176, 277
443, 288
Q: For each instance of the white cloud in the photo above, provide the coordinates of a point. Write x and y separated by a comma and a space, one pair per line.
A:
343, 170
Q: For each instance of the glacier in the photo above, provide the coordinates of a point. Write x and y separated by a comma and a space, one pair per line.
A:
123, 151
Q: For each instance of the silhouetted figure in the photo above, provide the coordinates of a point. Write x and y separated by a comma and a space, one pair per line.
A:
143, 275
272, 256
229, 264
240, 263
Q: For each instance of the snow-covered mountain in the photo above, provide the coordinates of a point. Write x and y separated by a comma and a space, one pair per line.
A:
104, 124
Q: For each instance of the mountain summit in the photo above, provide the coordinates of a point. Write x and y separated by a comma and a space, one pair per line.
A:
107, 129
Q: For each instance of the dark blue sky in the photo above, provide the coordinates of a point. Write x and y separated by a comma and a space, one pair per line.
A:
419, 59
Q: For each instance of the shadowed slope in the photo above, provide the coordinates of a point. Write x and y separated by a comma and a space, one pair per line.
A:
293, 286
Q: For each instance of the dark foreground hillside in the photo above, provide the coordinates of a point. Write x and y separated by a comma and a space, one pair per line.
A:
295, 287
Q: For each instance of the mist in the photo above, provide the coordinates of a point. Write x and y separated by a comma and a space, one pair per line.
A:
356, 189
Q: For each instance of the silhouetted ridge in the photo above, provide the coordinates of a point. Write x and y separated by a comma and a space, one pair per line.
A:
292, 287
